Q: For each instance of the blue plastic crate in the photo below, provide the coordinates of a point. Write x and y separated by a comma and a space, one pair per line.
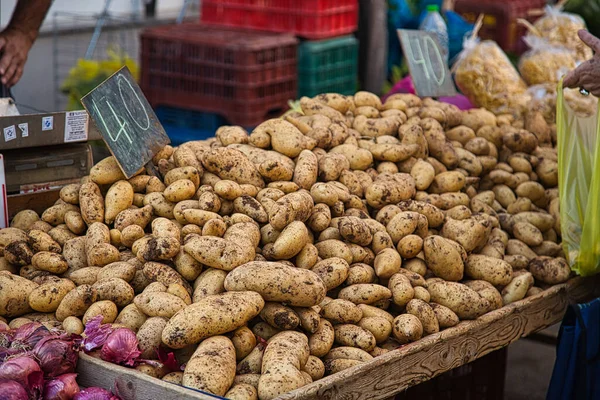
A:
186, 125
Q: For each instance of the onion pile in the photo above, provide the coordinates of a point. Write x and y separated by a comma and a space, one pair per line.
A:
38, 363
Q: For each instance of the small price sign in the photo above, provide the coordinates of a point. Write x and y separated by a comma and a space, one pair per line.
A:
428, 69
126, 121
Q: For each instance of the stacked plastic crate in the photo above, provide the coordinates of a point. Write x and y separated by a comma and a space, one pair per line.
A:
328, 52
200, 77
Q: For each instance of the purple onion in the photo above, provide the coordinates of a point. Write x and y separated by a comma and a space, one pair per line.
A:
95, 393
95, 333
24, 370
56, 356
12, 390
63, 387
121, 347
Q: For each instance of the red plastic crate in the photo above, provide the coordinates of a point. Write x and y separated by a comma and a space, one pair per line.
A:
500, 21
310, 19
244, 76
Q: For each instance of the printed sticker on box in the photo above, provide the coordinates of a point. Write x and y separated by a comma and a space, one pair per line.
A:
24, 127
76, 126
10, 133
48, 123
3, 202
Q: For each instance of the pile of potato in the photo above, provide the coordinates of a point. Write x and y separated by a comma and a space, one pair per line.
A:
315, 243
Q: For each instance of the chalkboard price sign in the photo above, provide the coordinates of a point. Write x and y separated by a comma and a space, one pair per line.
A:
126, 121
428, 69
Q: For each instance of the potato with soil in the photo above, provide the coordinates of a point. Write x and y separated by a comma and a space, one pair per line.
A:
551, 271
212, 366
47, 297
233, 165
445, 316
91, 203
365, 293
278, 282
76, 302
463, 301
222, 313
118, 198
407, 328
218, 253
279, 316
443, 258
332, 271
284, 358
14, 295
495, 271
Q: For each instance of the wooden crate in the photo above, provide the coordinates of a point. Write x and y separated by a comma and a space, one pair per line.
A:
391, 373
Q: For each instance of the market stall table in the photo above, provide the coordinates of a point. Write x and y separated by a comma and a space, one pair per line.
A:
391, 373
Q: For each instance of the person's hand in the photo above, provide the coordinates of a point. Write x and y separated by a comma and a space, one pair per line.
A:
587, 75
14, 47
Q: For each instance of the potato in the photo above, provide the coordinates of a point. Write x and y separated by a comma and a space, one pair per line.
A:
164, 274
149, 336
527, 233
285, 356
423, 174
340, 364
212, 366
402, 291
315, 368
73, 325
424, 312
139, 216
118, 198
102, 254
279, 316
443, 258
76, 302
250, 379
55, 215
518, 287
159, 304
131, 317
329, 248
223, 312
497, 272
383, 192
19, 253
14, 295
278, 282
365, 293
114, 289
407, 328
106, 308
340, 311
173, 377
380, 327
242, 391
321, 341
41, 241
487, 291
463, 301
360, 273
264, 330
551, 271
332, 271
47, 297
106, 171
309, 318
244, 342
85, 276
119, 269
445, 316
48, 261
91, 202
354, 336
218, 253
451, 181
209, 282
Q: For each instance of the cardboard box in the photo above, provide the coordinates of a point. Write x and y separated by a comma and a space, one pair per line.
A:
45, 168
35, 130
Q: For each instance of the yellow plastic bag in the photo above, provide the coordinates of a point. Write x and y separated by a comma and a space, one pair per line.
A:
579, 186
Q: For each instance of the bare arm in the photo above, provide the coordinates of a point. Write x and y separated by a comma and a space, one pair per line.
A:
587, 75
18, 37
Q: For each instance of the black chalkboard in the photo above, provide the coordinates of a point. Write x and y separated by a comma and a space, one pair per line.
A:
428, 69
126, 121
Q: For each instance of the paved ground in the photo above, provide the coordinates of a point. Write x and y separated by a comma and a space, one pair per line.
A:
529, 369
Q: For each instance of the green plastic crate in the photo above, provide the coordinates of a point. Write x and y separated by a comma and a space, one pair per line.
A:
328, 66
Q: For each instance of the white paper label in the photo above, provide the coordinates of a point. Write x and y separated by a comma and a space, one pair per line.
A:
3, 202
10, 133
76, 126
24, 127
47, 123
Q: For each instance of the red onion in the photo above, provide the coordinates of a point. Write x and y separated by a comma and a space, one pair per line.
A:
11, 390
121, 347
168, 359
29, 335
62, 387
56, 356
95, 333
95, 393
25, 371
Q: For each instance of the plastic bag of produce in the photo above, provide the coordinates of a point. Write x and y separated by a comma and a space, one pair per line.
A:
485, 75
579, 184
560, 28
543, 99
545, 62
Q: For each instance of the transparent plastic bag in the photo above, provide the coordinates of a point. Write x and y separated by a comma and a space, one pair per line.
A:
579, 187
485, 75
545, 62
543, 99
560, 28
